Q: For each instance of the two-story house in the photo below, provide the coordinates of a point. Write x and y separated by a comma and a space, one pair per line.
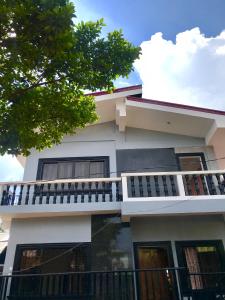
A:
129, 208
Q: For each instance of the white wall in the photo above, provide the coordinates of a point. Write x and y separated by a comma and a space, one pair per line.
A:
46, 230
104, 140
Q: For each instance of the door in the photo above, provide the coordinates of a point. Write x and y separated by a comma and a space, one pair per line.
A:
194, 184
204, 261
157, 282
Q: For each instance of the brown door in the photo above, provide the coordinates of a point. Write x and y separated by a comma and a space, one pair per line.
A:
194, 185
157, 281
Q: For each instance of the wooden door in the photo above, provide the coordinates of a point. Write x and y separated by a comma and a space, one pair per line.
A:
158, 283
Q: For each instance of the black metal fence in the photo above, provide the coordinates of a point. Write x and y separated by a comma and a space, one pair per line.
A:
154, 284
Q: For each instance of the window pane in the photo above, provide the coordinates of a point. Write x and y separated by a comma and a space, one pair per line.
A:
112, 249
49, 171
97, 169
65, 170
82, 169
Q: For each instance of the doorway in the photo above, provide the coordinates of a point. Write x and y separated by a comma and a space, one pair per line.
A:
157, 281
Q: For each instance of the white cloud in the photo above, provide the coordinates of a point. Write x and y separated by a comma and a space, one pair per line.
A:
189, 71
10, 168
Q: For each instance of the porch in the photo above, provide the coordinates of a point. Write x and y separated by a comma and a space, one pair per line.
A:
149, 284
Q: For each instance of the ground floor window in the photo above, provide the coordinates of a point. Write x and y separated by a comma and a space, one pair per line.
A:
52, 258
203, 260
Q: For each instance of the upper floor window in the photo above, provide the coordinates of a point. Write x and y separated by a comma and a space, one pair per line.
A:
66, 168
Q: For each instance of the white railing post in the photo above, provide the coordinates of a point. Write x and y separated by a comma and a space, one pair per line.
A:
124, 187
180, 185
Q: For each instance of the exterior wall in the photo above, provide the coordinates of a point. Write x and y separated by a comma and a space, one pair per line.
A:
104, 140
178, 229
46, 230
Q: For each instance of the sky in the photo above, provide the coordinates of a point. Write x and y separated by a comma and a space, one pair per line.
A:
183, 51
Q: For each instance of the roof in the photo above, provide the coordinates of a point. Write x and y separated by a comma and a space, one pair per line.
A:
119, 90
176, 105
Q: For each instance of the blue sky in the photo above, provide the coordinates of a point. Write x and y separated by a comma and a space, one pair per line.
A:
164, 29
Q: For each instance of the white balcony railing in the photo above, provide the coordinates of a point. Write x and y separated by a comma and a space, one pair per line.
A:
57, 195
173, 184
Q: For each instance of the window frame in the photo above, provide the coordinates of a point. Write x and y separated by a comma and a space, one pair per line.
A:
21, 247
43, 161
192, 154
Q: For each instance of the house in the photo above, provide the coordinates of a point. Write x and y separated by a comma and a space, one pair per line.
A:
129, 208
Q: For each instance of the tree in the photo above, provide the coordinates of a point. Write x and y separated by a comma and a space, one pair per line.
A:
46, 64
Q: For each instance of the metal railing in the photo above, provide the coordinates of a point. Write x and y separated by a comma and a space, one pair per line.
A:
152, 284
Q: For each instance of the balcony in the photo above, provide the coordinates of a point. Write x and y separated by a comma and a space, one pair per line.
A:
157, 284
132, 194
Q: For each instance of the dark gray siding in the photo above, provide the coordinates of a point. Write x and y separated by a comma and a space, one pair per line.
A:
146, 160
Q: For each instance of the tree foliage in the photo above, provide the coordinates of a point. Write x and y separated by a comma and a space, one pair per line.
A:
46, 62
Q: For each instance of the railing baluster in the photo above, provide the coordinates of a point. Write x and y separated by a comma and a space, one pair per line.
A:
89, 191
34, 194
96, 191
196, 184
75, 192
219, 184
48, 193
117, 191
55, 193
27, 195
204, 186
212, 188
140, 184
69, 192
157, 189
110, 191
188, 185
62, 193
173, 186
103, 191
21, 194
14, 194
149, 191
41, 193
165, 187
82, 191
132, 186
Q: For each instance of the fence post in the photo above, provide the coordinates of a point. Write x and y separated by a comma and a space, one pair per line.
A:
124, 187
180, 184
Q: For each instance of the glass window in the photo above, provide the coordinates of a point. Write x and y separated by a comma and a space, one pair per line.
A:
74, 168
35, 258
112, 247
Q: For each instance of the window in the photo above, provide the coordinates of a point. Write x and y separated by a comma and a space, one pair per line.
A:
63, 259
65, 168
204, 260
34, 256
112, 249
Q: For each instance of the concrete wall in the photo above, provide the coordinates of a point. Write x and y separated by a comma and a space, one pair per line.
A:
46, 230
104, 140
173, 229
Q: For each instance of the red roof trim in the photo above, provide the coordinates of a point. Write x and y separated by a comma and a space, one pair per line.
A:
176, 105
119, 90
